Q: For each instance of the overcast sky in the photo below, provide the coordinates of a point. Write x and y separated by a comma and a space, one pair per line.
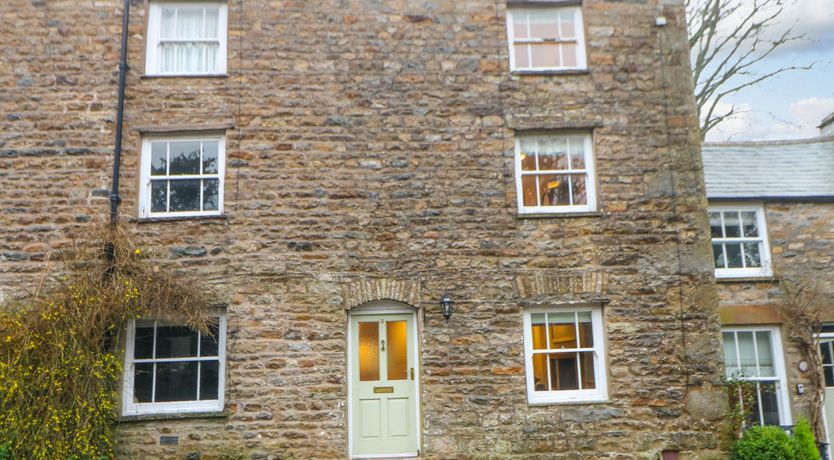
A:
789, 106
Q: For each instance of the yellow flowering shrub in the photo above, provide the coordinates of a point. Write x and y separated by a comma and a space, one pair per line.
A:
61, 347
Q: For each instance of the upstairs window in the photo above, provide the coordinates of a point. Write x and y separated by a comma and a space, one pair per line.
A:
739, 241
182, 176
546, 39
170, 368
565, 355
186, 39
555, 173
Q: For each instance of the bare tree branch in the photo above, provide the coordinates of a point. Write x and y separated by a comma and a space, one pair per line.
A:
728, 39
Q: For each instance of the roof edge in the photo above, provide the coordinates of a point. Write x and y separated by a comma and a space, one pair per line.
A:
827, 120
811, 140
769, 198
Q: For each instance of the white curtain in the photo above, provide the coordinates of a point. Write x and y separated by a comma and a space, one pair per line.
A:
188, 40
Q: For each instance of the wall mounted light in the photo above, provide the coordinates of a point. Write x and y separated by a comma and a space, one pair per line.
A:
447, 306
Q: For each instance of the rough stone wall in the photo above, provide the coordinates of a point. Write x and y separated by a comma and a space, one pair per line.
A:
373, 146
801, 237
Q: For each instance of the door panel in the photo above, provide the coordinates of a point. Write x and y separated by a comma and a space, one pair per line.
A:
398, 417
371, 416
383, 357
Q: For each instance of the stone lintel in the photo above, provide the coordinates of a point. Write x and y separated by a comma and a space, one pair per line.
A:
750, 314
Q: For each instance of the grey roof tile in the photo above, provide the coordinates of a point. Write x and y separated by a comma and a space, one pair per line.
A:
780, 169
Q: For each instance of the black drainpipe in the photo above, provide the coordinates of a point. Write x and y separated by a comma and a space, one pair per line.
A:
117, 151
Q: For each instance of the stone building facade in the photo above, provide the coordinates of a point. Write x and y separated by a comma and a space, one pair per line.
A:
372, 158
787, 185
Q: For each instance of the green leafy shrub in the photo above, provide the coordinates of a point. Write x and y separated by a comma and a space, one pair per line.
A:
60, 363
765, 443
804, 441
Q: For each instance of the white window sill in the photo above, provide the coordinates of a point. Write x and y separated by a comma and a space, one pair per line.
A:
174, 416
550, 215
732, 274
568, 402
164, 218
185, 75
746, 279
576, 71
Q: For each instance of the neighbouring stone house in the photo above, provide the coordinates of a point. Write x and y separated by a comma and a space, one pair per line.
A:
337, 170
772, 229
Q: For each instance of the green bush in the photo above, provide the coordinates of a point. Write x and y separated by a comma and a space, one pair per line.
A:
5, 454
765, 443
804, 442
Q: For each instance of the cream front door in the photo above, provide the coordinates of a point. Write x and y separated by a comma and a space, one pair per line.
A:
827, 352
383, 389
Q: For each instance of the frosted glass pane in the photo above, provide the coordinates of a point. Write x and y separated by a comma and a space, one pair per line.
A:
397, 336
368, 351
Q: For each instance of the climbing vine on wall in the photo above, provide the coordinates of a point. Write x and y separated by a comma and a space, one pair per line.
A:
60, 345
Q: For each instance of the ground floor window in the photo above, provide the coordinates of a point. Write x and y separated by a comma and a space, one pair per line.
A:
754, 355
565, 355
170, 368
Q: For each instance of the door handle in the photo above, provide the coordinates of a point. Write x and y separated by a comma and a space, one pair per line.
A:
383, 345
412, 373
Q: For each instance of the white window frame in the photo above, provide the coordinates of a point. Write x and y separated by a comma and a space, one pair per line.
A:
581, 54
154, 36
178, 407
145, 204
589, 171
600, 393
764, 246
819, 338
777, 352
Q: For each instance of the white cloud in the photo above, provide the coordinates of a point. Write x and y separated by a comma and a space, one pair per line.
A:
812, 18
809, 112
801, 121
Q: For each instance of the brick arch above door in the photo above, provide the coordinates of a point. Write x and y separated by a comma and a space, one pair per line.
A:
361, 291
